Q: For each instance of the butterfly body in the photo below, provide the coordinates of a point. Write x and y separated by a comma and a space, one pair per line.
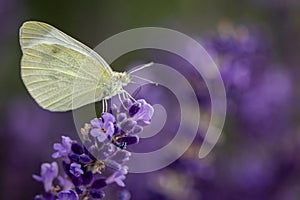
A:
63, 74
118, 81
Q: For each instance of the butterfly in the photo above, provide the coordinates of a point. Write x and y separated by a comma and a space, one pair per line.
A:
63, 74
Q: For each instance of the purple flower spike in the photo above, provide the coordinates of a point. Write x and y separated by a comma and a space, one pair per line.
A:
141, 110
75, 169
102, 129
48, 173
105, 140
63, 149
67, 195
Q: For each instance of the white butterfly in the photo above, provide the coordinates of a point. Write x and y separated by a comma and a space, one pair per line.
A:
63, 74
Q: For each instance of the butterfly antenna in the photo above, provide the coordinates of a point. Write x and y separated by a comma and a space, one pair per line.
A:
123, 97
141, 67
106, 105
133, 82
144, 79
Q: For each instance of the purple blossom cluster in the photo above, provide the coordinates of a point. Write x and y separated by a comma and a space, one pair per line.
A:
101, 160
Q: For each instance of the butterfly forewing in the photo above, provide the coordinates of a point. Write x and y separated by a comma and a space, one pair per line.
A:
60, 73
32, 33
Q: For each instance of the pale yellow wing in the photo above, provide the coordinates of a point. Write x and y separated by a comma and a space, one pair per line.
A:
60, 77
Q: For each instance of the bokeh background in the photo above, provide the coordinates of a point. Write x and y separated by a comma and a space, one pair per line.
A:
255, 43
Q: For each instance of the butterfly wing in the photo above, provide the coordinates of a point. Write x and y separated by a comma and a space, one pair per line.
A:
59, 72
33, 32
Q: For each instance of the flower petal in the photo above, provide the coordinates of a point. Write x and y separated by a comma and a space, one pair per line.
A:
107, 117
95, 132
96, 123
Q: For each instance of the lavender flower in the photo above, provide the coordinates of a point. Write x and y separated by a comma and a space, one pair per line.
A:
48, 173
75, 169
103, 129
101, 161
62, 149
141, 111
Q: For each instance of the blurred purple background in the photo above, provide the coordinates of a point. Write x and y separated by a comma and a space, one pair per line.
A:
256, 45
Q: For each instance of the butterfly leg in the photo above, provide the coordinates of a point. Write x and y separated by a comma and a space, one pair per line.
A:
104, 105
124, 95
120, 99
128, 95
